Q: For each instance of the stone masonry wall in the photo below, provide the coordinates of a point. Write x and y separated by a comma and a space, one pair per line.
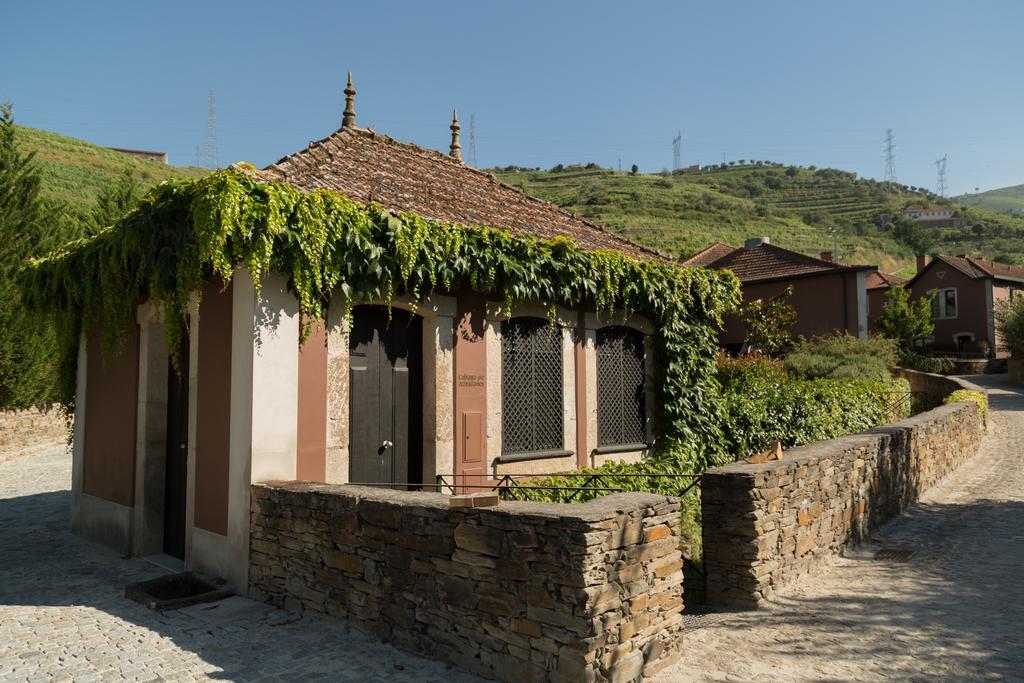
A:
518, 592
27, 432
769, 525
933, 388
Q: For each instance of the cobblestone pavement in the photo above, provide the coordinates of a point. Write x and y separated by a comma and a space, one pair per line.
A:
954, 611
63, 615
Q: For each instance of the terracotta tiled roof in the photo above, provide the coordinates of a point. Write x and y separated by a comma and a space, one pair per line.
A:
709, 255
369, 167
982, 268
769, 262
880, 280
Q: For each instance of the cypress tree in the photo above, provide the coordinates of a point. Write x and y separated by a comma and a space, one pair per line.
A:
29, 226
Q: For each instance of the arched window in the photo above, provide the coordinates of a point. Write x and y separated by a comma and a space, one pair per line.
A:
531, 387
621, 387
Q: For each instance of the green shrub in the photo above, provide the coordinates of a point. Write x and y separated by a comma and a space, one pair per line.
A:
735, 368
935, 364
759, 411
843, 355
969, 395
1010, 318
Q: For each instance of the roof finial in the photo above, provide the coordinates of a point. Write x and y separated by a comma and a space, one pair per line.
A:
348, 119
455, 151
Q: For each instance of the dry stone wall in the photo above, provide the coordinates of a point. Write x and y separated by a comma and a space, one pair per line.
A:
518, 592
31, 431
769, 525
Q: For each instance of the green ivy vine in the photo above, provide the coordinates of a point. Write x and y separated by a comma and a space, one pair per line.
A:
187, 231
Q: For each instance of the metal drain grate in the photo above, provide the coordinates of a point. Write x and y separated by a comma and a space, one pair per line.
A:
894, 554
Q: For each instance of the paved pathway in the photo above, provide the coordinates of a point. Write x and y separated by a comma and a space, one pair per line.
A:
63, 615
954, 611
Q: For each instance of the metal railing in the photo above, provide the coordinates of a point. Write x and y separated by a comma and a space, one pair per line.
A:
519, 486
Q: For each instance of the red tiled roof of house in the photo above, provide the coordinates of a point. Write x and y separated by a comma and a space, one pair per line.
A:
880, 280
366, 166
770, 262
709, 255
983, 268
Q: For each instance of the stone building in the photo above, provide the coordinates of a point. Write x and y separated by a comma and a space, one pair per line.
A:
396, 396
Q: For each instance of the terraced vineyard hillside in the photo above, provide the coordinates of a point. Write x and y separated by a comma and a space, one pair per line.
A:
1008, 200
805, 209
74, 170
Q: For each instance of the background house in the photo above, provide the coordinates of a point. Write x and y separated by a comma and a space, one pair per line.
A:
968, 292
878, 286
943, 216
827, 296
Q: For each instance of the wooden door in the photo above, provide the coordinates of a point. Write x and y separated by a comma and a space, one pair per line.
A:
385, 397
176, 456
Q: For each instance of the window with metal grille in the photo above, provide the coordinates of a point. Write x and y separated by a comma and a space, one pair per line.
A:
531, 387
621, 390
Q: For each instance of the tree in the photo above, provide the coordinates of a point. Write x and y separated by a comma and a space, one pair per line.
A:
791, 171
29, 226
1010, 320
769, 322
903, 319
114, 200
634, 169
913, 235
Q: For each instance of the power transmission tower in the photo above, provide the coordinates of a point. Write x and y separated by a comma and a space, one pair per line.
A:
677, 149
208, 154
890, 159
940, 164
472, 139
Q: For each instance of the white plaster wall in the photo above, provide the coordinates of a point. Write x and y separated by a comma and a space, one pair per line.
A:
263, 417
78, 439
151, 433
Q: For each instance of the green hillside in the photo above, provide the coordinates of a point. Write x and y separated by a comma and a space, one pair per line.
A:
794, 206
1008, 200
74, 170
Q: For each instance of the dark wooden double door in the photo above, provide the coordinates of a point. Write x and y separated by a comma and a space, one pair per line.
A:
385, 397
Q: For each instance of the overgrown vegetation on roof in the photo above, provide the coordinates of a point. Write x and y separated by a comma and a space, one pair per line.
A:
184, 232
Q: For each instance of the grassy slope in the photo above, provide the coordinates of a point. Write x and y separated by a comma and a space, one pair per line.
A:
75, 170
1003, 200
682, 214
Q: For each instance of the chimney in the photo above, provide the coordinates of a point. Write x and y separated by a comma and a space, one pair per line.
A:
922, 261
755, 242
455, 151
826, 256
348, 119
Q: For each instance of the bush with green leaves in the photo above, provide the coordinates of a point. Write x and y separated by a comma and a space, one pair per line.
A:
843, 355
768, 322
904, 319
760, 410
939, 365
734, 368
969, 395
1010, 319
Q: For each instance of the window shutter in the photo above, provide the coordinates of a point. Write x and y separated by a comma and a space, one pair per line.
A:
531, 386
621, 387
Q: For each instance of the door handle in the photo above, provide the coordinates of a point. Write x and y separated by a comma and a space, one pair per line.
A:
387, 444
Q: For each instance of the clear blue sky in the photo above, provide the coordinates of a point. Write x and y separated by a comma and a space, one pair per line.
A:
548, 82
